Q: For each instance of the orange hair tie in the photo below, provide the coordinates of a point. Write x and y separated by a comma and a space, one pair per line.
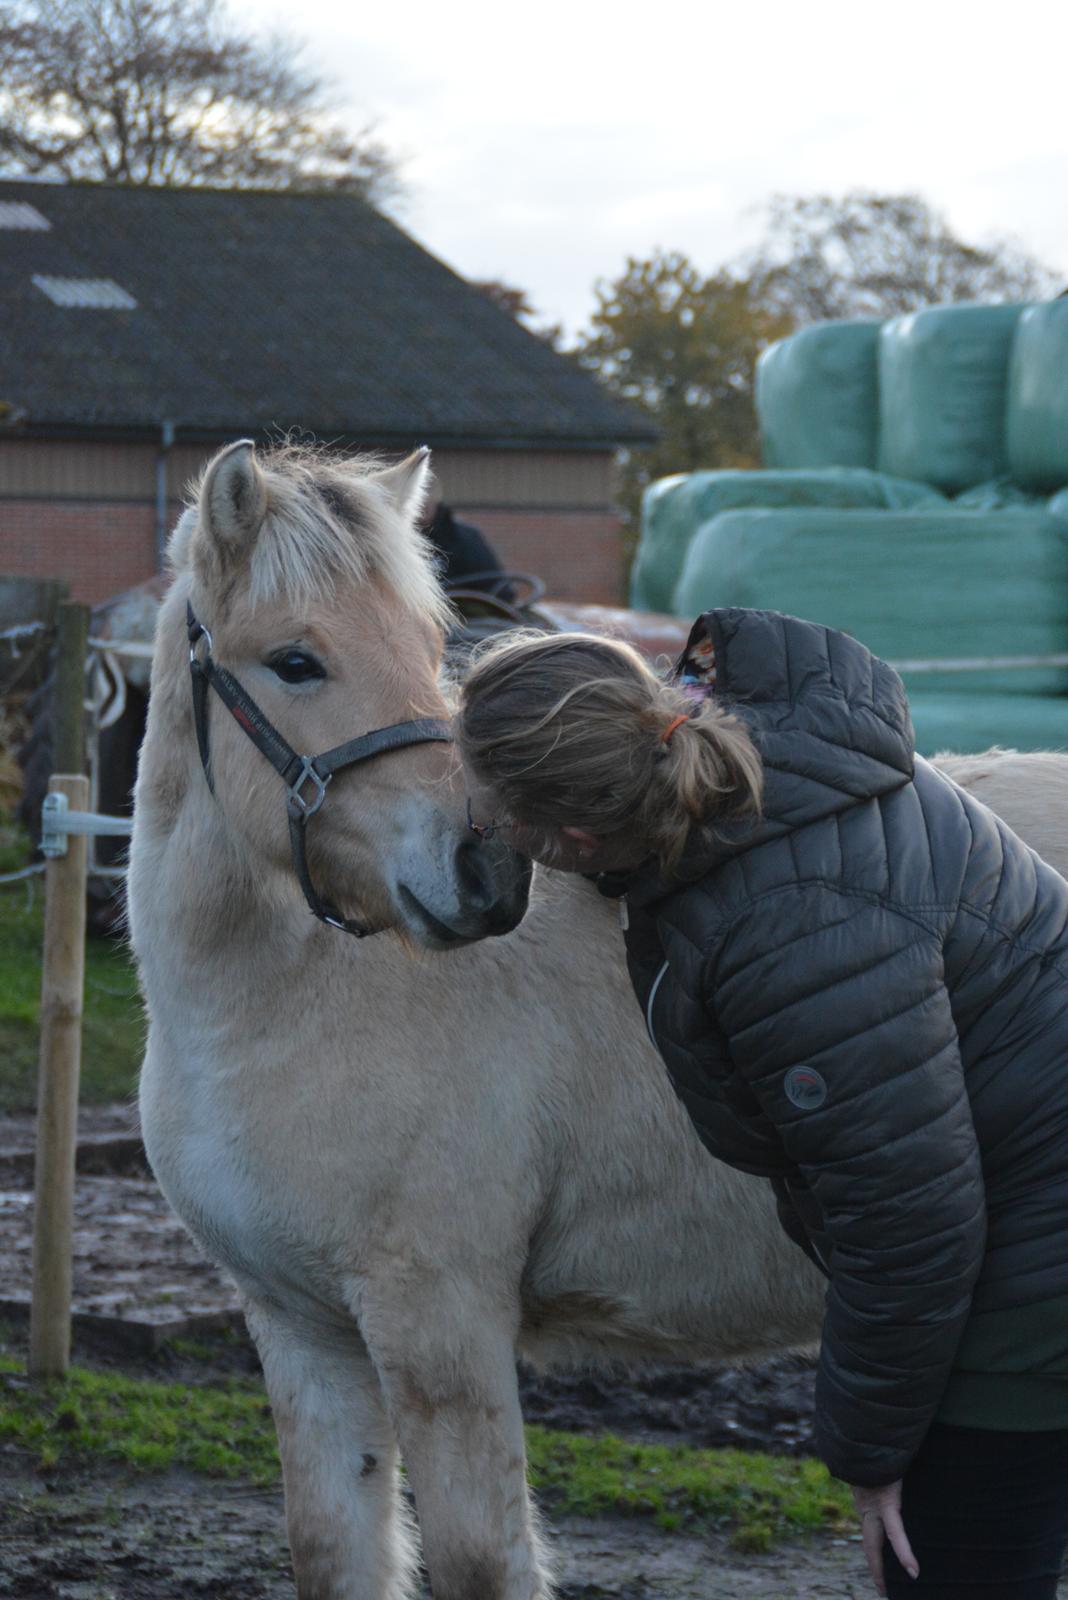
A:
670, 729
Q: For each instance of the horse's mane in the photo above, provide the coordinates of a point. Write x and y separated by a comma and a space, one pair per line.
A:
328, 524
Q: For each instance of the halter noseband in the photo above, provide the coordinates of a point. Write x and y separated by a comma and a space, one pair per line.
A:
296, 772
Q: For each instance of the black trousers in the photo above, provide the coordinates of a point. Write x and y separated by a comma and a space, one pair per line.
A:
986, 1514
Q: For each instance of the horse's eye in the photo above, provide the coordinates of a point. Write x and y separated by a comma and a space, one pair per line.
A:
296, 666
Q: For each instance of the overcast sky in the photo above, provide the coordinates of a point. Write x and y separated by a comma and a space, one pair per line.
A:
545, 142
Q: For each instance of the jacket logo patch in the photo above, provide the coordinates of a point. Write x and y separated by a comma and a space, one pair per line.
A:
805, 1088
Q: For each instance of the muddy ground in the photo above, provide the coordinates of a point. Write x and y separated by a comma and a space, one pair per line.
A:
89, 1536
99, 1534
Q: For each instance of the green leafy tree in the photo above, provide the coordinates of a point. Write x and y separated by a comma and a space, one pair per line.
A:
170, 92
874, 255
682, 348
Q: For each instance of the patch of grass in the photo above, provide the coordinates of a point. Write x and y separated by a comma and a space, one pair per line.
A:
757, 1498
113, 1027
222, 1430
208, 1348
225, 1430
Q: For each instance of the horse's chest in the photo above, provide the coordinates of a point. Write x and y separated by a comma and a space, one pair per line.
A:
226, 1193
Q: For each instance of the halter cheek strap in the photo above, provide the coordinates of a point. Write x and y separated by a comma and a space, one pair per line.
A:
297, 772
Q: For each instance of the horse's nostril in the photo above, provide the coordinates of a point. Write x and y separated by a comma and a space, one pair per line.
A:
475, 875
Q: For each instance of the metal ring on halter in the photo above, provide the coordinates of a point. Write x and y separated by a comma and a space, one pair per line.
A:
296, 799
193, 643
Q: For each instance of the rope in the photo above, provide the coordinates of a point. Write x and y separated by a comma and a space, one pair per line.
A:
26, 872
21, 630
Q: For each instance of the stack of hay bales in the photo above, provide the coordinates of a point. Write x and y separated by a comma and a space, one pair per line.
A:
916, 497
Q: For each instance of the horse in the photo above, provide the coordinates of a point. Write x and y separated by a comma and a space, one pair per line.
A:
424, 1153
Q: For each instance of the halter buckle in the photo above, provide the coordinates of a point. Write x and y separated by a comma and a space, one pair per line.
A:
295, 800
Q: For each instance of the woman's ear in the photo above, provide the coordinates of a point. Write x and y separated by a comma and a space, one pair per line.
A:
587, 842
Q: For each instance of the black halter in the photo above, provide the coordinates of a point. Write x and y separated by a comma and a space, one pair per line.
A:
296, 772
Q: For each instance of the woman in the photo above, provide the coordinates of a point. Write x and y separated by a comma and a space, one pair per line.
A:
857, 978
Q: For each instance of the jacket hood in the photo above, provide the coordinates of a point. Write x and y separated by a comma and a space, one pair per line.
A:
830, 720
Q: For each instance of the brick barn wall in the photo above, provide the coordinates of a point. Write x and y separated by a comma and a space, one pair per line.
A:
97, 548
86, 513
577, 553
100, 549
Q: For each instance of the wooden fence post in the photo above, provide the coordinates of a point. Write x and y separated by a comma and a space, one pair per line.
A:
68, 689
62, 990
62, 987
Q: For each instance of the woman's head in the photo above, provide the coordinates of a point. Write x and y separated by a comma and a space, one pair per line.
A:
571, 732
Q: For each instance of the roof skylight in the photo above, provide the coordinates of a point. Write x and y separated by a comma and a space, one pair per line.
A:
17, 214
96, 294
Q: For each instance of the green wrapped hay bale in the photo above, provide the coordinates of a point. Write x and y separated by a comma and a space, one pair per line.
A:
911, 585
1001, 494
943, 386
817, 397
1037, 420
674, 508
968, 721
658, 533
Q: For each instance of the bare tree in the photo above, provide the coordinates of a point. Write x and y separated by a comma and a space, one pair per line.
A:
873, 255
170, 92
517, 303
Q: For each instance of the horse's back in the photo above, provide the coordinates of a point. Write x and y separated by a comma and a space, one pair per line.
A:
1026, 789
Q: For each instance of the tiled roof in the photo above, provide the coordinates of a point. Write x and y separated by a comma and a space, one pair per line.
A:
253, 311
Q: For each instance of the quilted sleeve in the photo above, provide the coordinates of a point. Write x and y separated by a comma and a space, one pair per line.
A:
837, 1015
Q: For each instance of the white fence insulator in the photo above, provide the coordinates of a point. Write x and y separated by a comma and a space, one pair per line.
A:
58, 822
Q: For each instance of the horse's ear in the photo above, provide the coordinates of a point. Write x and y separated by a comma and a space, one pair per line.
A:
407, 483
233, 499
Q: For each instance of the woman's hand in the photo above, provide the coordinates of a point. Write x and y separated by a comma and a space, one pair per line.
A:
880, 1513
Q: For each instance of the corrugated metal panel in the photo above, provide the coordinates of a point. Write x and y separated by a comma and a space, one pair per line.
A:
85, 294
542, 479
42, 470
17, 214
501, 480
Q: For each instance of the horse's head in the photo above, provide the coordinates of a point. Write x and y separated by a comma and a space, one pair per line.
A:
319, 598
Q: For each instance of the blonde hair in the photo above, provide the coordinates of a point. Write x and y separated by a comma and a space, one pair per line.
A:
570, 729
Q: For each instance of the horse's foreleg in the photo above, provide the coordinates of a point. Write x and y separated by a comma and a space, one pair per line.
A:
447, 1364
349, 1536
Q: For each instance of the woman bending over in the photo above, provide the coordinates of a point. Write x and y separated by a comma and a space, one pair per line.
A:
857, 978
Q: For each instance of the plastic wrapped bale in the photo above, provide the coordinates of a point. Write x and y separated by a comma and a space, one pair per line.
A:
658, 534
999, 495
969, 721
817, 397
1058, 506
1037, 420
943, 388
911, 585
674, 508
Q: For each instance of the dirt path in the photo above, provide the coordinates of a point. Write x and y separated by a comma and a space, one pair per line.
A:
96, 1534
106, 1536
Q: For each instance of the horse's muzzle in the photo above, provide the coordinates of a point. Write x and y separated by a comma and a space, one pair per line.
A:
487, 896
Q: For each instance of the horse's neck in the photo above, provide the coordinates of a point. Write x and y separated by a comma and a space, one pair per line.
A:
203, 906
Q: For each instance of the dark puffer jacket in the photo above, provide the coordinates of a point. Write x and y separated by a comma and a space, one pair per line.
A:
865, 997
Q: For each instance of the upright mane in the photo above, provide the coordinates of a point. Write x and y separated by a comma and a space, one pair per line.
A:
329, 523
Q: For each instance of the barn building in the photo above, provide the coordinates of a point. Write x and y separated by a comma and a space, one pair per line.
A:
142, 328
